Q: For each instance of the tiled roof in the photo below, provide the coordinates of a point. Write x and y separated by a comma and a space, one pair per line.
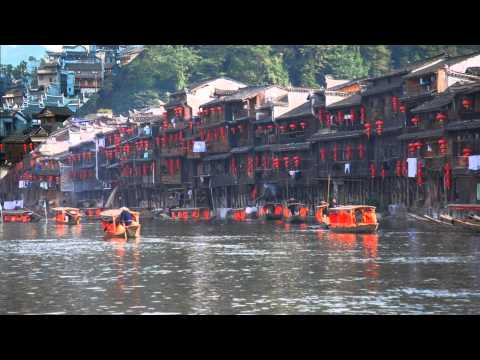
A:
421, 134
217, 157
463, 125
350, 101
303, 110
239, 95
336, 135
62, 111
375, 90
292, 147
241, 149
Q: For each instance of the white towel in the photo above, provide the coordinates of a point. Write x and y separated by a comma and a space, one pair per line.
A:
474, 162
412, 167
199, 147
9, 205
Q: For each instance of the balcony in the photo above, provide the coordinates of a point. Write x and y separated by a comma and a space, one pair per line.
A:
138, 180
172, 151
174, 179
292, 137
217, 147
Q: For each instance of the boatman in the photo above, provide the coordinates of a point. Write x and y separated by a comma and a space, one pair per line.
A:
125, 217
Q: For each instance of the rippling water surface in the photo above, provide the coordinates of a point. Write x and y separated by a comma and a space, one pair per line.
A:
248, 268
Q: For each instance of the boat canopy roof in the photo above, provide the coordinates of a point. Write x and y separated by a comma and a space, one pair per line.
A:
351, 207
17, 212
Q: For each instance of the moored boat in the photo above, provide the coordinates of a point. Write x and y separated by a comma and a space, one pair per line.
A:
67, 215
353, 219
271, 211
295, 213
23, 216
198, 213
321, 214
112, 226
463, 216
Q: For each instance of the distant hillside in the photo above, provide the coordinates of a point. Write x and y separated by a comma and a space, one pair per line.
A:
14, 54
165, 68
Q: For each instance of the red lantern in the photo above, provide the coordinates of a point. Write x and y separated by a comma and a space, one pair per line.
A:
250, 168
368, 129
353, 115
415, 120
363, 115
403, 108
411, 148
394, 104
275, 162
322, 153
467, 103
340, 117
443, 144
361, 151
418, 145
265, 161
383, 172
24, 148
373, 170
303, 125
440, 118
296, 161
419, 173
467, 151
404, 168
292, 126
447, 176
286, 161
321, 114
282, 128
328, 119
379, 126
398, 168
233, 167
348, 152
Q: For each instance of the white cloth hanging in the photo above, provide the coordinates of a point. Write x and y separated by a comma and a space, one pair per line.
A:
474, 162
199, 147
412, 167
347, 168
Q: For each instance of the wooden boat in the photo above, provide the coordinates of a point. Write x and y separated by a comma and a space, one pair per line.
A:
271, 211
320, 214
112, 227
295, 213
462, 216
23, 216
353, 219
67, 215
199, 213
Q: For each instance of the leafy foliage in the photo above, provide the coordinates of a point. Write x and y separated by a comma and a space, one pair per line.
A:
166, 68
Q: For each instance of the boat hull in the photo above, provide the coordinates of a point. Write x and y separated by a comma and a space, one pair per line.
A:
296, 219
358, 229
131, 231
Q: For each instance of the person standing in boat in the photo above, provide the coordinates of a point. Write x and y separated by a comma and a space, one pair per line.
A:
125, 217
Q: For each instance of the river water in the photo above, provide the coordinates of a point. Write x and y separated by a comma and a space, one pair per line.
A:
239, 268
